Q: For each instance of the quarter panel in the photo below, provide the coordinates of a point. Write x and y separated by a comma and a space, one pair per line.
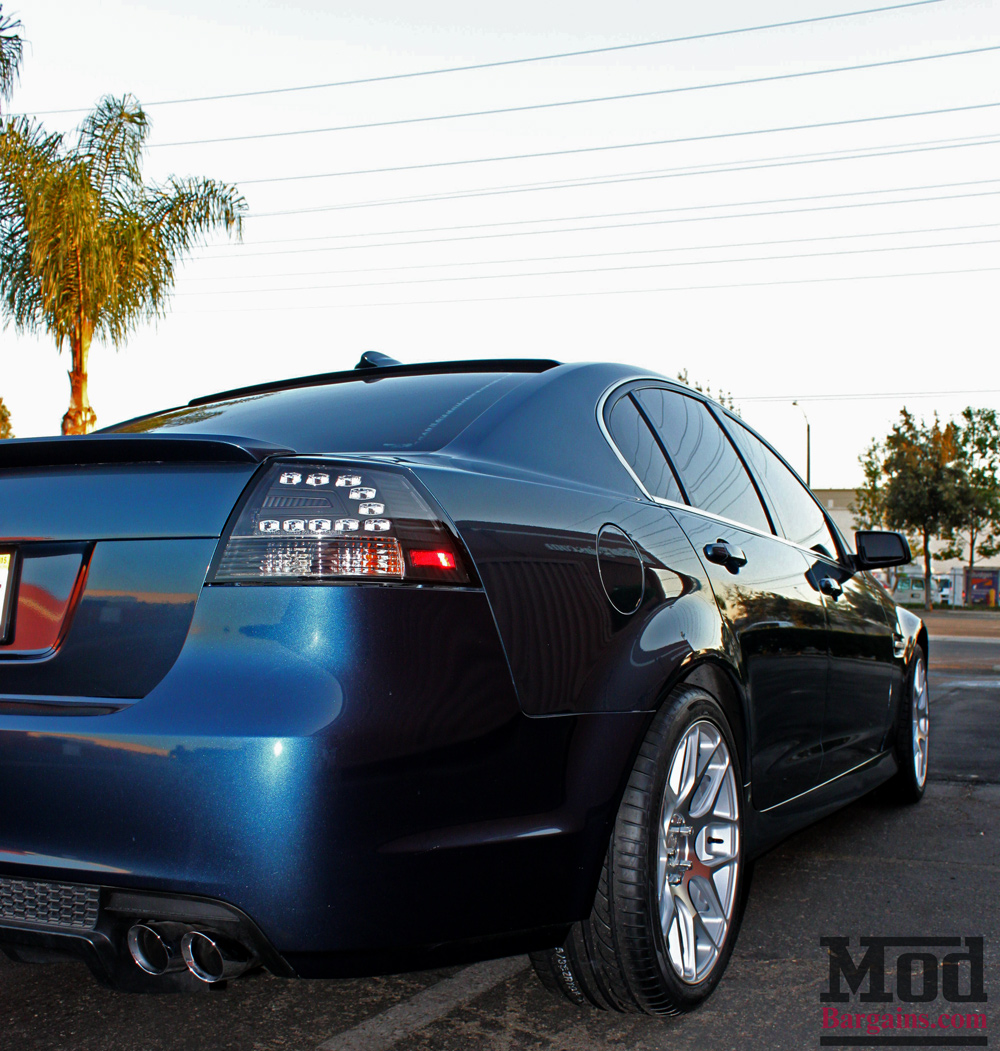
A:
570, 650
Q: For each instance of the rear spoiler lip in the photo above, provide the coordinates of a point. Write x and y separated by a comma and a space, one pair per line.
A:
136, 448
528, 366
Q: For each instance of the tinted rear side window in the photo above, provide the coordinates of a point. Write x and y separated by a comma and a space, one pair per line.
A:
636, 443
797, 513
712, 475
420, 413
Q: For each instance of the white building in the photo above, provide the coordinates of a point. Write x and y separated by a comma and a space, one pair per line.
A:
839, 504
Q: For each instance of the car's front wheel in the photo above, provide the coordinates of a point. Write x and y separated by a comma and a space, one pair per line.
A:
913, 733
674, 881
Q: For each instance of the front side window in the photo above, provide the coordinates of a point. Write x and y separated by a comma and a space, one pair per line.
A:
636, 443
796, 513
705, 460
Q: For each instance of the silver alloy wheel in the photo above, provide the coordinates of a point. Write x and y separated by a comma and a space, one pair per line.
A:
921, 722
698, 851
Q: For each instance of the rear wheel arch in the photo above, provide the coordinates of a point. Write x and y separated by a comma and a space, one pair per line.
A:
621, 956
721, 683
712, 675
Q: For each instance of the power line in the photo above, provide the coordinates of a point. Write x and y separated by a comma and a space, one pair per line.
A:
628, 177
609, 292
614, 146
476, 226
514, 61
686, 208
614, 226
589, 270
773, 78
865, 397
857, 152
600, 255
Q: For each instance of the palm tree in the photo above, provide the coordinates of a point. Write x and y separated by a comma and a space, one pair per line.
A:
10, 61
10, 53
86, 247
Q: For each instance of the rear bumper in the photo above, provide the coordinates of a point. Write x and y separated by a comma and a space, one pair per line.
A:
348, 767
98, 933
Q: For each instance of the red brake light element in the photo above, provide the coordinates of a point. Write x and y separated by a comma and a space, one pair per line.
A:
433, 559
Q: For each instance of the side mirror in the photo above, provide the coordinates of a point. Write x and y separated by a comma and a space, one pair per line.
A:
878, 549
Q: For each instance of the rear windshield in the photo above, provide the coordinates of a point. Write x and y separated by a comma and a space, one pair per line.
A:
419, 413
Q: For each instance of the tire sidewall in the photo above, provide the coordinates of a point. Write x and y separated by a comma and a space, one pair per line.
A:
911, 788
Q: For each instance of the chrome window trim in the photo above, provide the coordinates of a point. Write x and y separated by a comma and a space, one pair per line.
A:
607, 434
671, 504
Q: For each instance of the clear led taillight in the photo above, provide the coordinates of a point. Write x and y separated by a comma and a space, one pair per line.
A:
319, 521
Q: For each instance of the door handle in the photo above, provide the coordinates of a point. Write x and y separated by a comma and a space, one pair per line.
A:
831, 587
722, 553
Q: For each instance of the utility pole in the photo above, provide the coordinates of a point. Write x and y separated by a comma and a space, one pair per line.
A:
808, 444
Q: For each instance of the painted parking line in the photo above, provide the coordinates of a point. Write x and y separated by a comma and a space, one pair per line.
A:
970, 684
386, 1029
965, 638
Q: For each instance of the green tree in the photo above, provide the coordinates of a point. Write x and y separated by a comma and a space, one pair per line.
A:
974, 526
869, 499
924, 482
5, 428
86, 247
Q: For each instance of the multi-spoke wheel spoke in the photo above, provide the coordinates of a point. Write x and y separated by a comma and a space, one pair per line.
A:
920, 720
698, 851
710, 781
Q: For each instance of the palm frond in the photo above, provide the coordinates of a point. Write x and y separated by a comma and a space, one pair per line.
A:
111, 139
28, 157
186, 210
10, 53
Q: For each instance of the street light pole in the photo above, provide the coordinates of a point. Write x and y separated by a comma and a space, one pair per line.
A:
808, 444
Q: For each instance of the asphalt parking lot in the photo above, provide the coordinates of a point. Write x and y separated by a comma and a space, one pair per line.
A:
871, 870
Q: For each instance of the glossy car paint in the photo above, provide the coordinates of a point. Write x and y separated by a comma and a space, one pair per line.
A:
134, 604
776, 616
385, 776
323, 787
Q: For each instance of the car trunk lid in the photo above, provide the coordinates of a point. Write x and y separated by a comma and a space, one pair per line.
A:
109, 538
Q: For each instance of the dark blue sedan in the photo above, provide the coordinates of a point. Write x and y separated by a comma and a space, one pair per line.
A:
413, 665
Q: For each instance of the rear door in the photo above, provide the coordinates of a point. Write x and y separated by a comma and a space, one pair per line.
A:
763, 590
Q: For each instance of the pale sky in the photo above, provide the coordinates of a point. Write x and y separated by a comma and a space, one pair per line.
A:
688, 279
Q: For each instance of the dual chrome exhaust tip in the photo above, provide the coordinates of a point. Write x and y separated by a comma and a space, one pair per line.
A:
213, 957
164, 948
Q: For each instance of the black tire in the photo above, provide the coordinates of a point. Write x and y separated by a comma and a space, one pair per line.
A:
619, 958
910, 782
